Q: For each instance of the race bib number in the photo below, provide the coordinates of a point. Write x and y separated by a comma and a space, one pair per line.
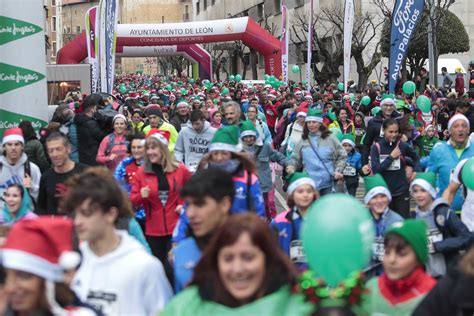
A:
395, 165
427, 118
297, 252
440, 128
434, 235
378, 249
349, 171
193, 167
359, 131
163, 196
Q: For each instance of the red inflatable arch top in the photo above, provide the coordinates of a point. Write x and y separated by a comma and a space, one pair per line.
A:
244, 29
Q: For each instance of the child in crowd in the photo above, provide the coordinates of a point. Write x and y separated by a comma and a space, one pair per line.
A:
427, 141
447, 235
353, 164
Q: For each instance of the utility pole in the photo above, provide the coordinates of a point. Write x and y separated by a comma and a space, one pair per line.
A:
433, 74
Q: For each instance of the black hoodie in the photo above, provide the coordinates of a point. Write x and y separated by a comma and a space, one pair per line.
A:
89, 136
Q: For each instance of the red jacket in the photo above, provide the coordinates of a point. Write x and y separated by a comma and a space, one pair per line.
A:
271, 113
160, 221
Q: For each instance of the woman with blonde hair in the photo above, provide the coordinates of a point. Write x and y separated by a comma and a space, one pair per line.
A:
156, 186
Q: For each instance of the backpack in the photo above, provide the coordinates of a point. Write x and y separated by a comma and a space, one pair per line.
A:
111, 144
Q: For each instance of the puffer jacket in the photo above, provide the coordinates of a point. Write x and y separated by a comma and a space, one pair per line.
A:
89, 136
332, 158
160, 219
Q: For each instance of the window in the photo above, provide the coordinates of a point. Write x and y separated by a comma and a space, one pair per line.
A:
53, 51
260, 11
162, 19
53, 24
204, 5
197, 8
213, 2
277, 6
78, 29
53, 3
299, 3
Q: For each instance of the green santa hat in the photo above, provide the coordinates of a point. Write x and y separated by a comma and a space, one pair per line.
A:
298, 178
226, 138
415, 233
375, 185
426, 180
247, 129
348, 139
314, 115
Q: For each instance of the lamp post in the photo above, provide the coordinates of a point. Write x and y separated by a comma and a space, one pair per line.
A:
433, 74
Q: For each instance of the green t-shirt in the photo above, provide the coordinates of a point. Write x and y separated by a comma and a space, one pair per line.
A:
459, 151
376, 304
280, 303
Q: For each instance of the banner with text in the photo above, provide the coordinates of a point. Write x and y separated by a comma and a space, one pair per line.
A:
348, 26
310, 47
285, 37
23, 93
108, 17
91, 23
405, 17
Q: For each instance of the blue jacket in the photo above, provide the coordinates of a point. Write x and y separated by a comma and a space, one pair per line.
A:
332, 157
186, 255
456, 236
246, 192
72, 136
264, 155
443, 160
288, 226
396, 179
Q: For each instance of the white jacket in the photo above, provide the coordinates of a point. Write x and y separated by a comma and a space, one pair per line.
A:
128, 281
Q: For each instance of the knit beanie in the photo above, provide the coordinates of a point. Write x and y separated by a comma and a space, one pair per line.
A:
153, 110
14, 134
387, 99
119, 116
247, 129
456, 118
414, 232
226, 138
375, 185
426, 180
298, 178
314, 116
348, 139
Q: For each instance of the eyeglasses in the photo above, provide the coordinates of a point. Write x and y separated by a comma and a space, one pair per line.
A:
389, 105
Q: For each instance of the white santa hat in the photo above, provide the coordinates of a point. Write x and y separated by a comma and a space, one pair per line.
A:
14, 134
41, 246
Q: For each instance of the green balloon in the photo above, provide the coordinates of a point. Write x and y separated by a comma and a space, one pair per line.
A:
238, 78
376, 110
304, 82
266, 76
295, 69
365, 100
423, 103
335, 248
191, 80
225, 91
337, 132
352, 97
466, 173
122, 89
231, 77
409, 87
340, 86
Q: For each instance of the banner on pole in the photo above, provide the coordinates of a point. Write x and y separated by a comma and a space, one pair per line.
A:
405, 17
348, 26
108, 15
91, 47
285, 37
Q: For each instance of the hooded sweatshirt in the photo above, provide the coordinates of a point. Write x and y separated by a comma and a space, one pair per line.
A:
25, 211
192, 145
126, 281
10, 174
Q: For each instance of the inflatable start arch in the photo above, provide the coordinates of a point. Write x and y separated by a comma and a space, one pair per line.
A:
187, 34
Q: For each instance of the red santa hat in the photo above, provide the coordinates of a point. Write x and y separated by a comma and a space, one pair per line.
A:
302, 110
14, 134
41, 246
160, 135
272, 94
308, 95
297, 91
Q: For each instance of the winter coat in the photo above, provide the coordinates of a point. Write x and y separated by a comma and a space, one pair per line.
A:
263, 132
455, 235
34, 150
191, 145
443, 159
293, 134
354, 161
279, 303
373, 134
288, 227
160, 219
124, 174
459, 84
10, 174
25, 211
271, 113
179, 121
332, 158
393, 170
119, 148
89, 136
72, 136
263, 155
453, 295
